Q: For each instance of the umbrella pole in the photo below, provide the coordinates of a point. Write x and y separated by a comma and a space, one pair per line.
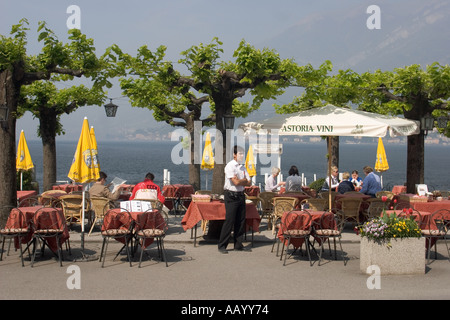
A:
329, 174
21, 180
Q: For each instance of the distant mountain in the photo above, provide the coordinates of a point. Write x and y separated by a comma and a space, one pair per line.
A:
412, 31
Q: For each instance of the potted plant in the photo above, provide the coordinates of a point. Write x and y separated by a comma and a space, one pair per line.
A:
393, 243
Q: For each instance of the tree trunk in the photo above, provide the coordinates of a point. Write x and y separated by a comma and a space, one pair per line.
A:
415, 162
334, 151
194, 169
47, 128
223, 106
9, 91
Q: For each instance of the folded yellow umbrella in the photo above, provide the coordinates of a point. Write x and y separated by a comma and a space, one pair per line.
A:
381, 163
250, 162
23, 158
208, 157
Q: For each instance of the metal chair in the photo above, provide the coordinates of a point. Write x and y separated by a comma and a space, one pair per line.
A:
118, 225
375, 207
151, 226
437, 228
17, 226
329, 226
296, 225
47, 226
29, 202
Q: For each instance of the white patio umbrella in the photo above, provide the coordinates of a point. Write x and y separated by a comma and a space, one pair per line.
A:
335, 121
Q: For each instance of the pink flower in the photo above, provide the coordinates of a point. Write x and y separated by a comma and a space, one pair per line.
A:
384, 198
395, 200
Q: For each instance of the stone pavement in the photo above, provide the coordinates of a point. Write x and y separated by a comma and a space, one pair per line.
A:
202, 273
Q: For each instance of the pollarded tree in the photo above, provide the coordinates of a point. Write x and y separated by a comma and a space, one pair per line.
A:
411, 91
155, 84
18, 69
47, 103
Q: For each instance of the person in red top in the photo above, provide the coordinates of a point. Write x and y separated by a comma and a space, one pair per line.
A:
148, 184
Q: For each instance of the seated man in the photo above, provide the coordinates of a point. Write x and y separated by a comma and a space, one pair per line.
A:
99, 189
148, 184
372, 183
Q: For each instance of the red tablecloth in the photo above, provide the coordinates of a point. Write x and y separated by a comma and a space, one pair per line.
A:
399, 189
21, 195
315, 221
56, 214
68, 187
215, 210
174, 191
142, 221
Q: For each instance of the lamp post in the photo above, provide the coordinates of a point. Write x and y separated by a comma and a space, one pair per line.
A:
111, 109
4, 116
228, 121
426, 123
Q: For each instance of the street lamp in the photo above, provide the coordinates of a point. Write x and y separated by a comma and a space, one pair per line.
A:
4, 116
111, 109
426, 123
228, 121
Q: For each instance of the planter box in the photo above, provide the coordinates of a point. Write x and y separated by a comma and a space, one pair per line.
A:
405, 256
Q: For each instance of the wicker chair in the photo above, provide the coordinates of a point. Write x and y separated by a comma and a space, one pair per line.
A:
267, 206
388, 194
350, 209
316, 204
280, 206
73, 208
99, 206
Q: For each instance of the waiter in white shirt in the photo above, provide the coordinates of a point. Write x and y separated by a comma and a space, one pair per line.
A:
236, 178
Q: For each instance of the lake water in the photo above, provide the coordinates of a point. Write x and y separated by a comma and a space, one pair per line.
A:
132, 160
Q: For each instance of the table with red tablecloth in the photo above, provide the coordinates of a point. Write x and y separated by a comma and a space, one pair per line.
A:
215, 210
68, 187
24, 194
315, 222
177, 192
56, 214
140, 220
431, 206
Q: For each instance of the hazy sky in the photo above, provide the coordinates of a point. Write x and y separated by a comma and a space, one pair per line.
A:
177, 24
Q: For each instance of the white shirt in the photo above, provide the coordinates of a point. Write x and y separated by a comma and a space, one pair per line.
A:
271, 183
232, 169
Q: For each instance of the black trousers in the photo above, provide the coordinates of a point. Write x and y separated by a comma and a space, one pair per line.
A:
234, 219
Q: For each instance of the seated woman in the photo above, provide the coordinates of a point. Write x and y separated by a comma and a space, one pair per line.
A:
334, 180
346, 184
294, 181
271, 184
